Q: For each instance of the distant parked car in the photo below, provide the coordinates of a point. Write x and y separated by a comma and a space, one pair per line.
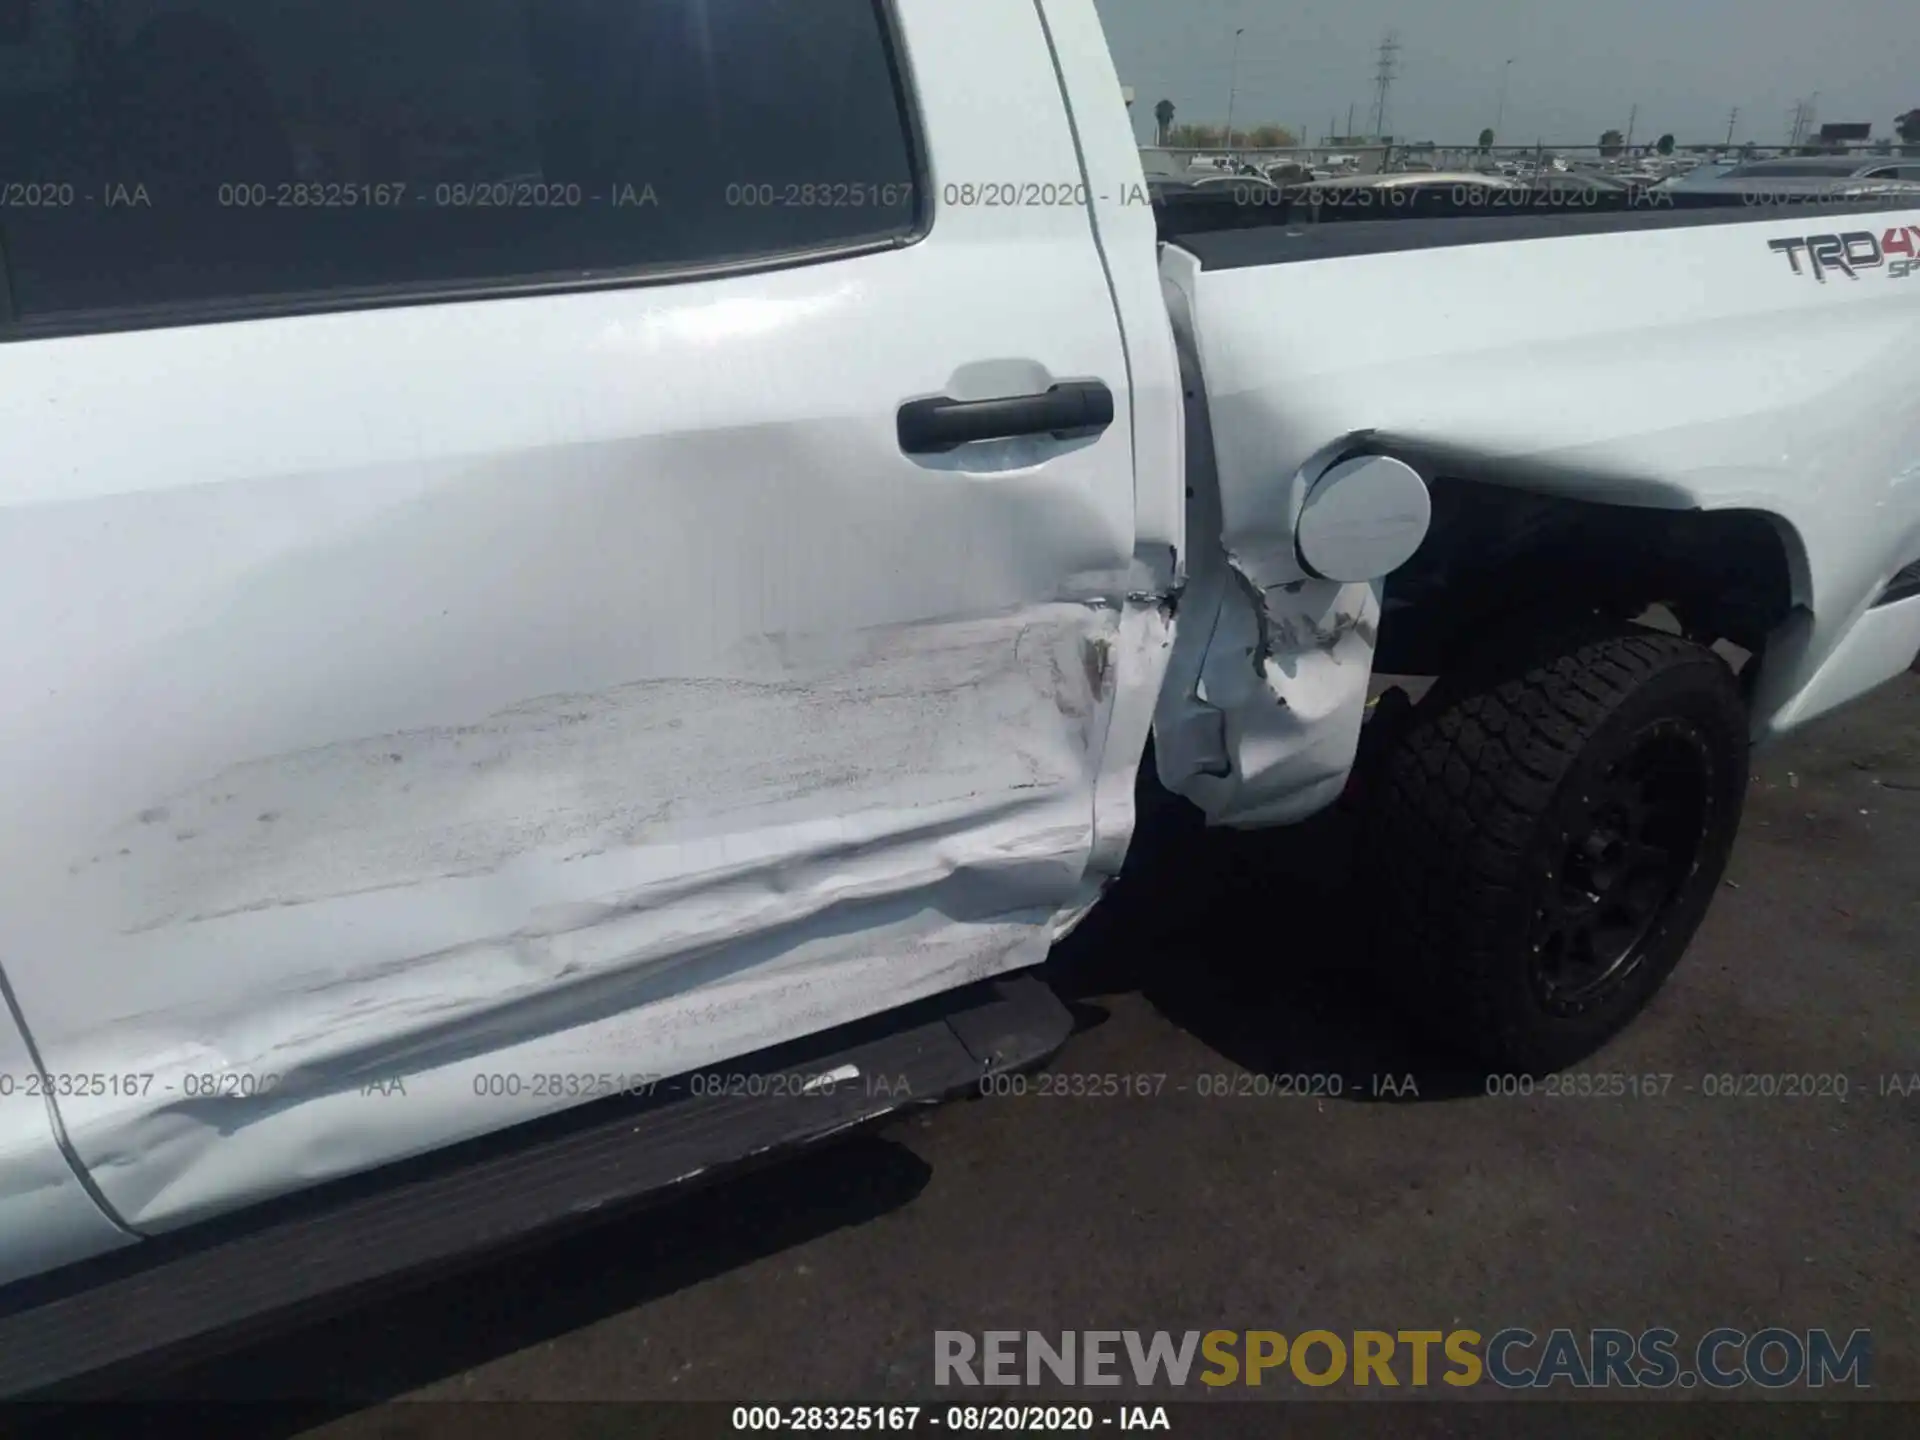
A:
1248, 178
1403, 183
1159, 165
1806, 177
1710, 170
1460, 193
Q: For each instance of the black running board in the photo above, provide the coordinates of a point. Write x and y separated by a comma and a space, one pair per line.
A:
1903, 586
183, 1294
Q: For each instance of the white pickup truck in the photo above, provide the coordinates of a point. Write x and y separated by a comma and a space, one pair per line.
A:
589, 551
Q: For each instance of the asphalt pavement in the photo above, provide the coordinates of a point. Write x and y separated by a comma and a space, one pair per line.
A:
1213, 1198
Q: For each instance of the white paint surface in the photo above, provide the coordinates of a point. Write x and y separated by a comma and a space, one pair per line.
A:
1684, 367
562, 686
585, 688
46, 1217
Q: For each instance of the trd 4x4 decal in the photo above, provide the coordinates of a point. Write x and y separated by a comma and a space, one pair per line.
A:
1854, 251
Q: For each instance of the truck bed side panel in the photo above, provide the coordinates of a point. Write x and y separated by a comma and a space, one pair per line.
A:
1679, 365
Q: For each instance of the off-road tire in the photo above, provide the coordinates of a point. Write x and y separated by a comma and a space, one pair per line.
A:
1468, 819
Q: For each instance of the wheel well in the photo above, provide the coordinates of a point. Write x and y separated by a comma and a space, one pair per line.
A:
1496, 556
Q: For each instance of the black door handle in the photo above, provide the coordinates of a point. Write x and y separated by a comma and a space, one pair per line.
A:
1068, 411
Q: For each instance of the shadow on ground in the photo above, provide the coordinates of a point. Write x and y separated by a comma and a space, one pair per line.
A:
394, 1343
1249, 942
1254, 944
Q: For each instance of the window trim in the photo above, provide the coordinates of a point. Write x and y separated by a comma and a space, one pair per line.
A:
286, 305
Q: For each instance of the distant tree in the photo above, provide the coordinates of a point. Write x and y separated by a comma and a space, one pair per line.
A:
1664, 145
1163, 121
1907, 126
1486, 140
1195, 137
1269, 137
1612, 142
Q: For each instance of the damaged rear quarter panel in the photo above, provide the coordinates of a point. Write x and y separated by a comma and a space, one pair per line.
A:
1681, 368
1260, 717
1721, 383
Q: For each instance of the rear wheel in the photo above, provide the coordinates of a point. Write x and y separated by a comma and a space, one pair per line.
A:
1547, 834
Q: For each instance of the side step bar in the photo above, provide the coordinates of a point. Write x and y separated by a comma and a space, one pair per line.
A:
183, 1293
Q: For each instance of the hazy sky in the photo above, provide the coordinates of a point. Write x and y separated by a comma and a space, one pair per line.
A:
1579, 65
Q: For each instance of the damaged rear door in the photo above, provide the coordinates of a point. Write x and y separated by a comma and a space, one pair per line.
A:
543, 545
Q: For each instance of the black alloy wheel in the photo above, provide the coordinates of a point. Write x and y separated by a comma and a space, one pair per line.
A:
1546, 835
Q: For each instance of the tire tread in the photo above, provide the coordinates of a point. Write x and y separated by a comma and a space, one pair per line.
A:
1458, 804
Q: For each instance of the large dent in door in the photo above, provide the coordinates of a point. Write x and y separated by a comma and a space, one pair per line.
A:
46, 1216
577, 776
586, 884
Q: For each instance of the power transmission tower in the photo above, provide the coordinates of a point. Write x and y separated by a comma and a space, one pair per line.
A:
1385, 72
1802, 121
1732, 120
